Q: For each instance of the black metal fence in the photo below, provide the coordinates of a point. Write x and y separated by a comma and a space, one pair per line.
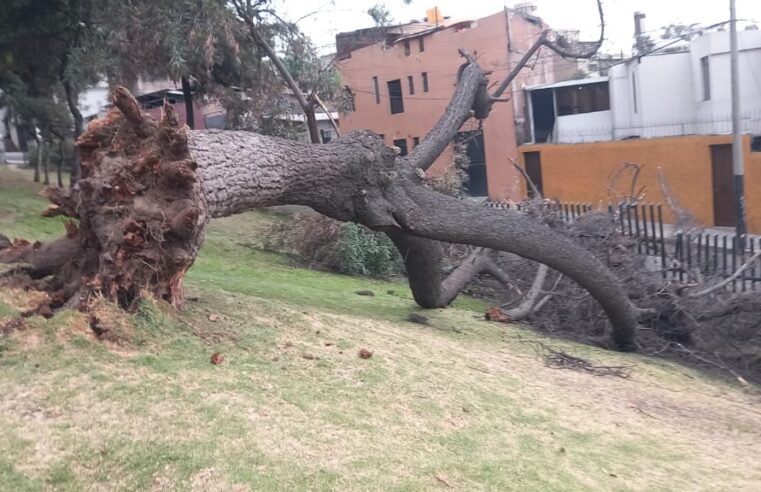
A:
684, 255
687, 257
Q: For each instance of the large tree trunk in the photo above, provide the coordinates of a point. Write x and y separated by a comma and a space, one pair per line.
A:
71, 101
147, 190
187, 94
38, 160
59, 164
46, 162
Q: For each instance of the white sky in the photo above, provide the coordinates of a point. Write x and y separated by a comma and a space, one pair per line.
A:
347, 15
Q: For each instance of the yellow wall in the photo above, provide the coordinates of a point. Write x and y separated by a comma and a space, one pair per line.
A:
582, 173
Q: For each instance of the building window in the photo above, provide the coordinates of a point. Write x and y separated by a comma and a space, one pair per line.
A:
705, 71
402, 144
326, 135
407, 47
472, 144
634, 90
755, 143
395, 96
415, 142
421, 43
425, 81
578, 99
411, 82
377, 90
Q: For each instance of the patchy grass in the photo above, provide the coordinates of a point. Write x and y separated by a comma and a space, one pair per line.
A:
457, 404
20, 207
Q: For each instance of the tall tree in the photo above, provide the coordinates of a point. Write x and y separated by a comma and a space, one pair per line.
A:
42, 44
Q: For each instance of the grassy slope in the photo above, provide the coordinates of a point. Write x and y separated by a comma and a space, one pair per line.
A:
460, 404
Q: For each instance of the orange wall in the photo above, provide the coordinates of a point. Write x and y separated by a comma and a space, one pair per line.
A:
488, 40
582, 173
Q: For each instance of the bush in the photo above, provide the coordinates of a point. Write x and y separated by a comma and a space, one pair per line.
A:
321, 242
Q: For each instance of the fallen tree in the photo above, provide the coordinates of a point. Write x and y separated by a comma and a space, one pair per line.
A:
148, 190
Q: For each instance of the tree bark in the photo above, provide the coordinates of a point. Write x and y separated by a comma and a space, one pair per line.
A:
71, 101
38, 161
187, 94
46, 162
357, 178
59, 164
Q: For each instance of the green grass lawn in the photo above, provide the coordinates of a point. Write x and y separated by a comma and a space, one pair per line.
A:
458, 404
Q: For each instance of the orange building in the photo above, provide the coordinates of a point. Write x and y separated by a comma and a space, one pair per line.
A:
697, 170
667, 110
402, 77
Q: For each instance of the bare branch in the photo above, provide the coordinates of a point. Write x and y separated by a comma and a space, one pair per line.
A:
246, 15
321, 104
551, 40
729, 279
684, 219
526, 307
528, 179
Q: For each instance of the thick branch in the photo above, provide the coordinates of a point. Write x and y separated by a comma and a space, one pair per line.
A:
471, 87
42, 258
459, 222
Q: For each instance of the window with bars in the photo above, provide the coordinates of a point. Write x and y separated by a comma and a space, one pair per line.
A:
395, 99
376, 90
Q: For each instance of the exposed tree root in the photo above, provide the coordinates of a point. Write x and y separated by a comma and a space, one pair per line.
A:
141, 216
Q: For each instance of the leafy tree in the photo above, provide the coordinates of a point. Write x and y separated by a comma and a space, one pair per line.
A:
380, 15
43, 60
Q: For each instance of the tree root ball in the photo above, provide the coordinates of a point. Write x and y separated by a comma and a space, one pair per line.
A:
141, 213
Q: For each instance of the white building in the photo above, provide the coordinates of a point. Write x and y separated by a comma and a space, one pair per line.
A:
664, 94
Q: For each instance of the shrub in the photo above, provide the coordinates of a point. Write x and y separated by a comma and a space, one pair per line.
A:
321, 242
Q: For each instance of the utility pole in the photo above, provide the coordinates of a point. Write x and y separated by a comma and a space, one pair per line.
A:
737, 138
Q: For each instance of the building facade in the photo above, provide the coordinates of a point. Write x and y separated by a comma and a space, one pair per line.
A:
402, 78
660, 95
669, 112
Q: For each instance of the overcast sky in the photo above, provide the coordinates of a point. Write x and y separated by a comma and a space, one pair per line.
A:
346, 15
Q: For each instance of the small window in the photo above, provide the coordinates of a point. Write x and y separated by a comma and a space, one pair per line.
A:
634, 91
377, 90
411, 82
706, 72
415, 142
425, 81
326, 135
402, 144
407, 47
586, 98
755, 143
421, 43
395, 98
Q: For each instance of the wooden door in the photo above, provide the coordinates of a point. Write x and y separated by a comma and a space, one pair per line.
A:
723, 185
533, 162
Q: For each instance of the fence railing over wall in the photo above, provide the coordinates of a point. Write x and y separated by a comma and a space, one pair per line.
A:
677, 254
684, 255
